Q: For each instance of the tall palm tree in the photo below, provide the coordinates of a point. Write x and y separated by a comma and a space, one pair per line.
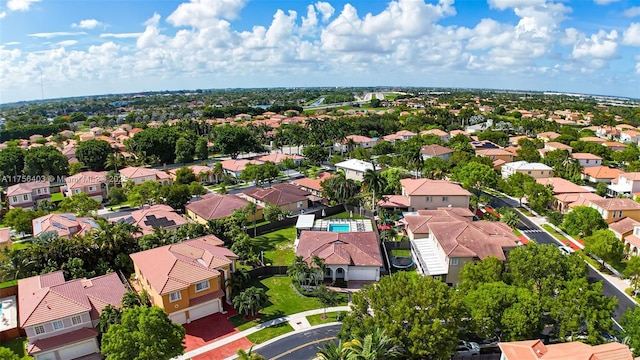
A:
321, 267
374, 346
333, 351
299, 270
510, 218
252, 209
373, 181
217, 171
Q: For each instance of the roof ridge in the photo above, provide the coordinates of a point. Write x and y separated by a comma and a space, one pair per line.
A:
67, 283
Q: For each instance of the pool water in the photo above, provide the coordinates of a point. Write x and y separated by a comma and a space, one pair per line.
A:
339, 227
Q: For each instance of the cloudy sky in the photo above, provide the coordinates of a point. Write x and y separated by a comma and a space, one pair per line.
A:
82, 47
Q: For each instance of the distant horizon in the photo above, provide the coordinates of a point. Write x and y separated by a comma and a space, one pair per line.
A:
60, 49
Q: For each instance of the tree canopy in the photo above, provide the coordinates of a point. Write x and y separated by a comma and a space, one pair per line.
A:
45, 161
93, 153
583, 221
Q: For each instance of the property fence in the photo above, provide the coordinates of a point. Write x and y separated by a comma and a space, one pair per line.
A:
267, 271
387, 246
291, 221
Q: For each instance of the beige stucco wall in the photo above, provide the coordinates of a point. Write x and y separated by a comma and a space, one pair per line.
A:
421, 203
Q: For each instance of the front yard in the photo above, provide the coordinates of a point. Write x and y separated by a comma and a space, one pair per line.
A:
283, 300
277, 246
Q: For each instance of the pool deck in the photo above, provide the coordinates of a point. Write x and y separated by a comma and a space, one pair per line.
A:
357, 225
9, 317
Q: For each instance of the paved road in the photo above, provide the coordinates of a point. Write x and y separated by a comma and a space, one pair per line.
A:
299, 346
541, 237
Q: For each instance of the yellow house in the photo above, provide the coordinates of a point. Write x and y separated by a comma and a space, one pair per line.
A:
186, 279
615, 209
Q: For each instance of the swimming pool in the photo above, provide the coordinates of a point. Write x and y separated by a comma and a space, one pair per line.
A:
339, 227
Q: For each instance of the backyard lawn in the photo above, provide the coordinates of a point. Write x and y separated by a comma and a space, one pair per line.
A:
283, 300
57, 196
277, 246
345, 215
21, 245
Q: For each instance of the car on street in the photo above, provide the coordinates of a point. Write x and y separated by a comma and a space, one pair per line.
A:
466, 348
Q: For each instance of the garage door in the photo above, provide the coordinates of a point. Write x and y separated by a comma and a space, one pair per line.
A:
178, 317
362, 274
203, 310
84, 348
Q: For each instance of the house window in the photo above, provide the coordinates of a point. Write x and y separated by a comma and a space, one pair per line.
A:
453, 261
57, 325
75, 320
14, 199
428, 198
202, 285
39, 191
299, 204
445, 198
620, 214
614, 215
25, 197
76, 191
175, 296
529, 172
39, 329
92, 188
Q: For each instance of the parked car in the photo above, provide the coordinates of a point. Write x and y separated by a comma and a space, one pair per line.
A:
566, 250
466, 348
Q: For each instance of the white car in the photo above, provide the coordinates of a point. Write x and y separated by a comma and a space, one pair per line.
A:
466, 348
566, 250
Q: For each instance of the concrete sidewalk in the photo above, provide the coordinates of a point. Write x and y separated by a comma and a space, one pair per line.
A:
298, 319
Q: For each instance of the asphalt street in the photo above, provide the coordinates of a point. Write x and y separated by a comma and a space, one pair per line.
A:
300, 346
536, 233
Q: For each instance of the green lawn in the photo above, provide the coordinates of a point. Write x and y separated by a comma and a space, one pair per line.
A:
283, 300
55, 197
525, 212
21, 245
331, 317
516, 232
345, 215
277, 246
401, 252
17, 346
269, 333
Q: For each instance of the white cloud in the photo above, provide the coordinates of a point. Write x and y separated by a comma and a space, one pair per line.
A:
631, 36
505, 4
602, 45
310, 21
87, 24
325, 9
12, 43
67, 42
121, 35
604, 2
3, 14
632, 12
48, 35
20, 5
200, 13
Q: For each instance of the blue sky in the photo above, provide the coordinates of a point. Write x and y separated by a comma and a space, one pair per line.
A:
91, 47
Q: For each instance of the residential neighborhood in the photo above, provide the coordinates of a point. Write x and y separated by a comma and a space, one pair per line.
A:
519, 232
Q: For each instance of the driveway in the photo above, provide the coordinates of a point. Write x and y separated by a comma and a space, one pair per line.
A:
208, 329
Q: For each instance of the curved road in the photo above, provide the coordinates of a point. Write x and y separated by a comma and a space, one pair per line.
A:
299, 346
542, 237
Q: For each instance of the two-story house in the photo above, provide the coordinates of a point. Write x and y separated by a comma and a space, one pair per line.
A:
427, 194
138, 175
287, 197
587, 160
535, 170
431, 151
441, 243
402, 135
28, 195
63, 224
351, 142
355, 169
214, 206
59, 317
151, 217
615, 209
187, 279
626, 184
313, 185
598, 174
93, 183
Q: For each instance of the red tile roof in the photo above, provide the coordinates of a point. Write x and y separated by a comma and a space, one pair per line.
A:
435, 150
278, 194
5, 235
154, 216
473, 239
624, 225
48, 297
86, 178
26, 188
215, 206
313, 184
616, 204
278, 158
61, 340
174, 267
235, 165
422, 187
536, 350
561, 186
336, 248
133, 172
393, 201
602, 172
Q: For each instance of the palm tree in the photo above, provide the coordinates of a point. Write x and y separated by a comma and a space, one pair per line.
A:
217, 170
510, 218
374, 346
299, 270
252, 209
333, 351
249, 355
14, 265
110, 315
250, 301
238, 281
115, 160
321, 266
373, 181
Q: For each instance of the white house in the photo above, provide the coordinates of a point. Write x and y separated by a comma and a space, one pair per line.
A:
536, 170
587, 160
354, 169
627, 184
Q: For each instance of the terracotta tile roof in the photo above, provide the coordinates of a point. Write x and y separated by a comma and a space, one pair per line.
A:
235, 165
154, 216
602, 172
357, 139
478, 239
313, 184
493, 152
557, 146
577, 199
634, 176
5, 235
341, 248
26, 188
585, 156
215, 206
549, 135
48, 297
624, 225
435, 150
86, 178
392, 201
614, 144
536, 350
197, 169
457, 132
278, 194
437, 132
278, 158
561, 186
633, 240
174, 267
64, 224
593, 139
133, 172
428, 187
61, 340
616, 204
